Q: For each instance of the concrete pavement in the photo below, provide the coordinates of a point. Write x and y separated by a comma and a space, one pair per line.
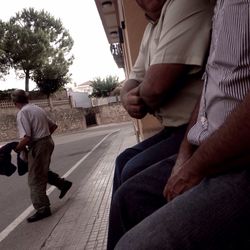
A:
84, 224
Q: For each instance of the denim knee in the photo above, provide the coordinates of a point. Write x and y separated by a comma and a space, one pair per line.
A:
125, 156
129, 170
120, 163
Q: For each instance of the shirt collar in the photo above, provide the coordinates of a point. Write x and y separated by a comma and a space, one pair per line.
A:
150, 20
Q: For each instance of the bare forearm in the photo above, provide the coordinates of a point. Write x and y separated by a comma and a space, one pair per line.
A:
229, 146
159, 80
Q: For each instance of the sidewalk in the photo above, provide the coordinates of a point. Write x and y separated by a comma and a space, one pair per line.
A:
84, 225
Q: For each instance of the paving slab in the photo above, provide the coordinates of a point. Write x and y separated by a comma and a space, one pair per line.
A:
84, 224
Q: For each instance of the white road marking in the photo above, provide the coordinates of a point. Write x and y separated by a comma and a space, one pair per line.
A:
23, 215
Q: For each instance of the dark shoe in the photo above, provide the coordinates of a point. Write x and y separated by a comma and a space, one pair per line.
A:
65, 188
39, 215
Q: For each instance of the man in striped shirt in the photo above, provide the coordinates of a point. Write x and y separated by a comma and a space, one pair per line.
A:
206, 189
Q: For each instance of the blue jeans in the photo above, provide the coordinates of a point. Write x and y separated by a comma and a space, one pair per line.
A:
136, 159
146, 153
214, 215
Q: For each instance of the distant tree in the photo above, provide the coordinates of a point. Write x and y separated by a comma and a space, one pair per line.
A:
33, 39
6, 94
103, 87
52, 76
4, 63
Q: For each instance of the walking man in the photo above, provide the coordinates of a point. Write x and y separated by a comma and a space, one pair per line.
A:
35, 130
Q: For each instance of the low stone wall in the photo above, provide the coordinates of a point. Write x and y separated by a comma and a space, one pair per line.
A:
111, 113
66, 119
8, 124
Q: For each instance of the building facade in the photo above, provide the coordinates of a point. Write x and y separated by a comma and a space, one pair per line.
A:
124, 23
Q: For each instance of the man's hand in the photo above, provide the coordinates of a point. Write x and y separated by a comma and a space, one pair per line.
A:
182, 179
134, 104
52, 128
22, 144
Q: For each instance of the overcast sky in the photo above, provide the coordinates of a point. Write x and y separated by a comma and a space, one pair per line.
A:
81, 19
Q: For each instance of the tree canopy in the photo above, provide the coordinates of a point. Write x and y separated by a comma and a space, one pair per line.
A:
4, 64
103, 87
34, 40
52, 76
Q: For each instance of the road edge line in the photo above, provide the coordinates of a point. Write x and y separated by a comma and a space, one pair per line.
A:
4, 233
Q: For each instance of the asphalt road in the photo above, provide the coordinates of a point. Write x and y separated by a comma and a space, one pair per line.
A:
70, 148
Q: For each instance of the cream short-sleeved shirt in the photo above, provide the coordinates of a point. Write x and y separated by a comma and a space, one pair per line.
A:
181, 35
32, 121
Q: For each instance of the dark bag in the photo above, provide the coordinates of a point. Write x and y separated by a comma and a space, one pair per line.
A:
22, 165
6, 167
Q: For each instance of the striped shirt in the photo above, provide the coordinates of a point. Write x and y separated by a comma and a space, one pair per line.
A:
227, 74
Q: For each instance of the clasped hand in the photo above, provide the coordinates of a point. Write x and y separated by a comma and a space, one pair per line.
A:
183, 178
134, 104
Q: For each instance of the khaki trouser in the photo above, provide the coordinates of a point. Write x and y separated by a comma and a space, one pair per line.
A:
39, 158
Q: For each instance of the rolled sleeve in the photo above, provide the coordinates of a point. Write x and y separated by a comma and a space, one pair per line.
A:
185, 33
139, 68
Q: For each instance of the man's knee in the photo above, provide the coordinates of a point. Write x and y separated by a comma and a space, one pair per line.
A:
121, 162
123, 201
125, 156
130, 169
120, 195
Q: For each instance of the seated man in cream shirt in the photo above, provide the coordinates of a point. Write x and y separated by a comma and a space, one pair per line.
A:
165, 81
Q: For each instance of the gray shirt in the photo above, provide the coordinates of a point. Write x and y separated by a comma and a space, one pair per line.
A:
32, 121
227, 76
